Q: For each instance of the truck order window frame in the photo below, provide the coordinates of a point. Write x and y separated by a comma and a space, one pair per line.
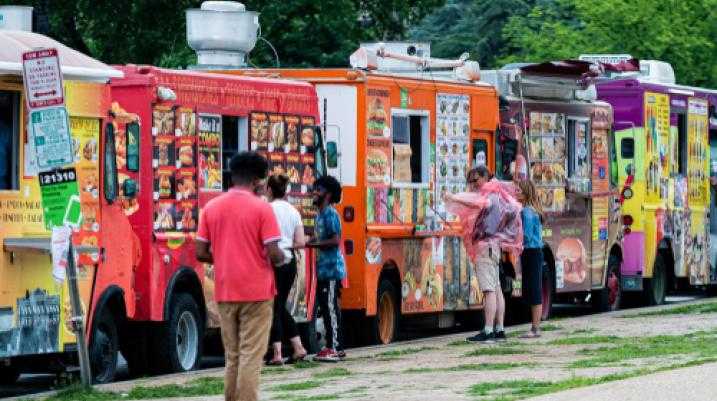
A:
11, 119
412, 127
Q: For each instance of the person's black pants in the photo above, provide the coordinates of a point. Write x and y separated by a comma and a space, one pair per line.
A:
328, 293
283, 326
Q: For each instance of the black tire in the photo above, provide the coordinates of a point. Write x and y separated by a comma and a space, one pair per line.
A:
548, 295
473, 319
385, 324
135, 348
656, 287
609, 298
8, 375
104, 346
179, 342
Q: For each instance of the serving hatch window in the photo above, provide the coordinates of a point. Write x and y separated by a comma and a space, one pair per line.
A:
411, 147
9, 140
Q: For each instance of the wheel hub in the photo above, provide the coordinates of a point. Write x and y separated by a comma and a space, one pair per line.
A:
187, 339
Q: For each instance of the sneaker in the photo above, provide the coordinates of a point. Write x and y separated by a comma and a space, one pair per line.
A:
500, 336
327, 355
482, 337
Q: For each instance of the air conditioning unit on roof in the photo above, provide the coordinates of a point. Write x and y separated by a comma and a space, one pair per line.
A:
655, 71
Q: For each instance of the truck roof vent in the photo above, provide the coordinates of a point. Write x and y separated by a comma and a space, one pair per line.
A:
222, 33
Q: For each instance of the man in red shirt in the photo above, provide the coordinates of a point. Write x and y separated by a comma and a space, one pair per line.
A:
239, 234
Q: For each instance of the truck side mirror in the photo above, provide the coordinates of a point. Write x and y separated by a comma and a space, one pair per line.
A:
332, 154
129, 188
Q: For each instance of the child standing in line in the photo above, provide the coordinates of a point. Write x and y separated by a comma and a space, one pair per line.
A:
531, 260
330, 265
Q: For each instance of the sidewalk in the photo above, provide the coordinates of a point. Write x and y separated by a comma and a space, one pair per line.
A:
689, 384
571, 352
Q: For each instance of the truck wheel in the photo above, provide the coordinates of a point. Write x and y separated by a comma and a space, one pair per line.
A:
179, 342
609, 298
8, 375
103, 349
548, 290
656, 287
385, 324
134, 348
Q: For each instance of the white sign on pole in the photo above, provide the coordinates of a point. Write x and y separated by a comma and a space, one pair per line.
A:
51, 135
43, 79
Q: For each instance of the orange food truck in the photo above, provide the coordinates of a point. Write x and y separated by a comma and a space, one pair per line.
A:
35, 332
399, 138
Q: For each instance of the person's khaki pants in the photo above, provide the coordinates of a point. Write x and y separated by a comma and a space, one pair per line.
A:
245, 335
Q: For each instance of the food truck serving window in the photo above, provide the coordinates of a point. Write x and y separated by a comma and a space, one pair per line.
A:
9, 139
411, 145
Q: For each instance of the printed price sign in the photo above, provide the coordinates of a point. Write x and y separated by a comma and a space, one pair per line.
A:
43, 79
51, 132
60, 198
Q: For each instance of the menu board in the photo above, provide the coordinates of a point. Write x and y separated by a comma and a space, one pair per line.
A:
452, 134
657, 125
174, 162
547, 158
210, 152
396, 205
697, 151
288, 144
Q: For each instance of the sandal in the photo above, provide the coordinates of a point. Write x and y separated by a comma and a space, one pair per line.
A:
275, 362
530, 334
298, 358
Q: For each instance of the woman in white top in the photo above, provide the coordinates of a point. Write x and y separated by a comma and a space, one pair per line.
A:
292, 237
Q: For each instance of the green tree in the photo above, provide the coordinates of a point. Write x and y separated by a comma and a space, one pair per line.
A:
304, 32
474, 26
681, 33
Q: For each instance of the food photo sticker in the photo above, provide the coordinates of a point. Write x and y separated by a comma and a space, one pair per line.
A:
186, 216
185, 122
186, 184
308, 174
185, 150
277, 163
163, 121
378, 120
293, 171
293, 124
277, 133
373, 250
163, 151
378, 162
307, 135
165, 215
259, 130
164, 182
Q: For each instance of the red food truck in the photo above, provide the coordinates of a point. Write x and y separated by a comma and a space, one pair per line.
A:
175, 132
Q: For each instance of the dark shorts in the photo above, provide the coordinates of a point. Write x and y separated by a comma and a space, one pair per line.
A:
531, 262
